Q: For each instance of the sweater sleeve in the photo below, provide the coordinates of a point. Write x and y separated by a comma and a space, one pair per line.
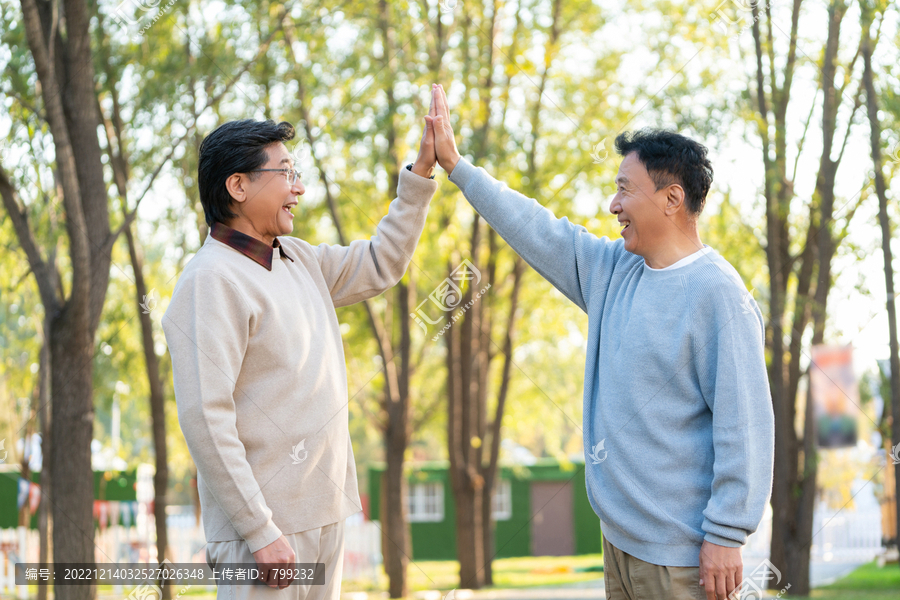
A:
367, 268
207, 329
732, 372
563, 253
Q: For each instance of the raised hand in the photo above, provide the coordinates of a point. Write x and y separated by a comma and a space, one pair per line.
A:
424, 165
444, 140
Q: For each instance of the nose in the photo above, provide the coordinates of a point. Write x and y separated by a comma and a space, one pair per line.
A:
615, 207
297, 188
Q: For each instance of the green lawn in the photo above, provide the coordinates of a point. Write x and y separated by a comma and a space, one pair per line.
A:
520, 572
869, 582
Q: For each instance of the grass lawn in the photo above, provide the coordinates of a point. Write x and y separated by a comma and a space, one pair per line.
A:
529, 571
869, 582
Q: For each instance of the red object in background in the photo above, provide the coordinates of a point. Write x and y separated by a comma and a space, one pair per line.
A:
364, 500
34, 497
103, 517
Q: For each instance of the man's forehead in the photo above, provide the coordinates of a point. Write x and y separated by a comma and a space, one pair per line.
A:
631, 169
279, 154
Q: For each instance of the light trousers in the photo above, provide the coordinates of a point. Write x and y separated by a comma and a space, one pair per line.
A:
322, 545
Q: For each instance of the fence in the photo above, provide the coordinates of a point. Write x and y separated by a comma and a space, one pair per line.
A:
847, 536
838, 536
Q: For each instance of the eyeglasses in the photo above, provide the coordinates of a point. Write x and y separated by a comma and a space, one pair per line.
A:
290, 175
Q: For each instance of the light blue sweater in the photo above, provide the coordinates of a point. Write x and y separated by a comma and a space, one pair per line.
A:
678, 423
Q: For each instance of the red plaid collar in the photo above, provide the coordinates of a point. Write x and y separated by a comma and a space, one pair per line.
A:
247, 245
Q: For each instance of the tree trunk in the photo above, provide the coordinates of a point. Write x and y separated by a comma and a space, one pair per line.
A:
489, 526
794, 484
44, 522
775, 192
157, 401
469, 530
395, 539
884, 221
66, 77
797, 533
72, 428
144, 304
474, 463
492, 467
464, 391
465, 480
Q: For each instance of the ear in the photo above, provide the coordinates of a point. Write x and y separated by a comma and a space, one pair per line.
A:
674, 199
237, 184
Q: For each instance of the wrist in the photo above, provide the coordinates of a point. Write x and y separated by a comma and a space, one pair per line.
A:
452, 164
421, 170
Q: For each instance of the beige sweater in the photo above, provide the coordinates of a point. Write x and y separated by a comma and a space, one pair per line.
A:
260, 378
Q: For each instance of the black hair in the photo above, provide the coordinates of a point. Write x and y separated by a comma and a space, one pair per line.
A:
234, 147
670, 158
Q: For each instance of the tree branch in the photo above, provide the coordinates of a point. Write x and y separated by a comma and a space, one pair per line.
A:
41, 269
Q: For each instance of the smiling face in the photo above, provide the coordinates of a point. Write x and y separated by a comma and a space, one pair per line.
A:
640, 207
264, 202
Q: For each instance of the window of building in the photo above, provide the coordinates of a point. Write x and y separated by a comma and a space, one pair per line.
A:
502, 503
425, 502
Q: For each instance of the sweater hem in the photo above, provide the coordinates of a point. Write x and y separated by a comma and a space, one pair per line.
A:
228, 533
668, 555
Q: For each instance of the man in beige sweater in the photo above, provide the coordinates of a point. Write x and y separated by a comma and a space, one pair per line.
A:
259, 372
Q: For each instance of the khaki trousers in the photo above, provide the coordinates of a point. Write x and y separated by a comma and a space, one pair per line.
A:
322, 545
630, 578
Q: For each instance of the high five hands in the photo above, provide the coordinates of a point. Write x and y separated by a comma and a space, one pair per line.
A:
438, 122
424, 165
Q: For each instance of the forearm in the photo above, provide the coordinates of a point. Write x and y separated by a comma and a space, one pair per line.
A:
742, 483
559, 250
221, 461
743, 426
367, 268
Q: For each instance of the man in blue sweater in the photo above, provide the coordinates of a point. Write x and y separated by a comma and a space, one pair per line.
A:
678, 423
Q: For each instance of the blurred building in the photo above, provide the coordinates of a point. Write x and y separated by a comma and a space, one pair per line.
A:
539, 509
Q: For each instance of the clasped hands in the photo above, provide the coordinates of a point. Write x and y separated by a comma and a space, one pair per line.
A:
438, 144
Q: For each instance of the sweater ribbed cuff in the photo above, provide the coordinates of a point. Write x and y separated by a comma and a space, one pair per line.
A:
462, 173
719, 540
415, 186
262, 537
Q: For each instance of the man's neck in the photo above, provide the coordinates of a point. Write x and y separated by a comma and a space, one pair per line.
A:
670, 254
247, 228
